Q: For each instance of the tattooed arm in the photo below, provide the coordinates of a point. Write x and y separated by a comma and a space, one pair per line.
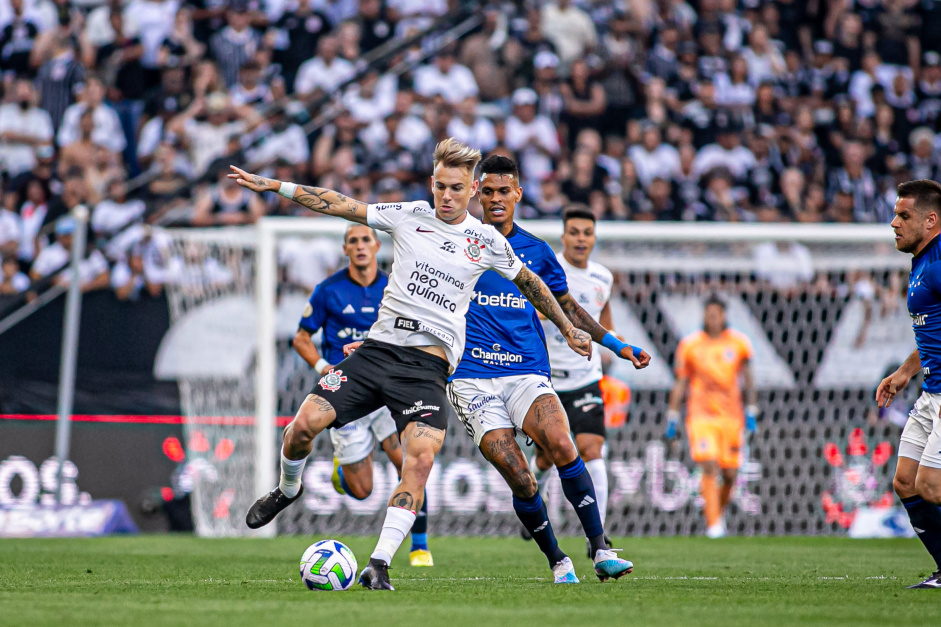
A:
583, 320
542, 299
317, 199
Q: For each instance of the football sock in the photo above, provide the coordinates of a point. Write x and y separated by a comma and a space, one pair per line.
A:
420, 528
725, 495
346, 487
710, 494
533, 514
926, 520
578, 489
291, 471
394, 529
599, 477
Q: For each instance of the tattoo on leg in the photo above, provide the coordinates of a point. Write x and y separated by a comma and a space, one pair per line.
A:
404, 500
426, 431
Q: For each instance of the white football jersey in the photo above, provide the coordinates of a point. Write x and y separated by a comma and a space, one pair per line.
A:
435, 268
591, 288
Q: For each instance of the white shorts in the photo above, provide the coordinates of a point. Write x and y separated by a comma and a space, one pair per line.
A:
921, 437
484, 405
354, 442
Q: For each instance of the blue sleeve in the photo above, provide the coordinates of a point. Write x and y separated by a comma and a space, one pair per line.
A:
932, 277
315, 313
552, 273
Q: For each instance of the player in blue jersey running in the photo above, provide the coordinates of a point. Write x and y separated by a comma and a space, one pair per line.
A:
345, 306
502, 383
917, 223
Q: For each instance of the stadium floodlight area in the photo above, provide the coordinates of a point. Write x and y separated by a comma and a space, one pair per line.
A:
822, 304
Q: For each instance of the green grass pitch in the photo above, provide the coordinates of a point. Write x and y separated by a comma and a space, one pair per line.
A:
476, 581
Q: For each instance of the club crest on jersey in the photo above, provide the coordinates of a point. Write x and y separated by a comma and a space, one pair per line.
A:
474, 250
332, 380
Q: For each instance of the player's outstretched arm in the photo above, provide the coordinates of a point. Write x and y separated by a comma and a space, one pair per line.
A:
896, 382
538, 293
598, 332
317, 199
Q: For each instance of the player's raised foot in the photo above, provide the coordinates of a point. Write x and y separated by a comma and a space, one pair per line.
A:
564, 572
932, 582
421, 557
609, 566
375, 576
267, 507
716, 531
335, 477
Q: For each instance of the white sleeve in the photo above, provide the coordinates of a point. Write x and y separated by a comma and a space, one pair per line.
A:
503, 259
386, 216
43, 129
306, 82
68, 130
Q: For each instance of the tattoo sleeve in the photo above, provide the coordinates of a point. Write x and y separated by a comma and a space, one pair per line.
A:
542, 299
331, 203
581, 318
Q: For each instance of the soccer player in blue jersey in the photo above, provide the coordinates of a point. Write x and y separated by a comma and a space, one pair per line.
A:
502, 383
345, 306
917, 223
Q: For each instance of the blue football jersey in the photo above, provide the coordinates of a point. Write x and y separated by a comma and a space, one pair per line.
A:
924, 306
344, 309
504, 336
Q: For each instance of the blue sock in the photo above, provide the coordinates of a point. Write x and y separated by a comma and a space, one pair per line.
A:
534, 516
926, 520
420, 528
343, 484
580, 492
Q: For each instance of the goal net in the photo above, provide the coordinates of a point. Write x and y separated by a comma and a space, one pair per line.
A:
823, 306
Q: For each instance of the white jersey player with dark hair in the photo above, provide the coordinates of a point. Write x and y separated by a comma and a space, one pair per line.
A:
578, 382
417, 340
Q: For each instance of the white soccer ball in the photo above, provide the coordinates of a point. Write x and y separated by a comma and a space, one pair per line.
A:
328, 565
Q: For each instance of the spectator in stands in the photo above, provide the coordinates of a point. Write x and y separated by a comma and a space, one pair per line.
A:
250, 90
81, 152
856, 179
762, 58
93, 269
152, 21
17, 39
12, 281
569, 29
533, 137
727, 152
209, 139
472, 129
280, 139
652, 158
375, 23
547, 86
659, 205
234, 45
445, 78
783, 265
583, 101
324, 73
372, 98
227, 203
24, 128
107, 129
180, 48
117, 211
11, 231
59, 79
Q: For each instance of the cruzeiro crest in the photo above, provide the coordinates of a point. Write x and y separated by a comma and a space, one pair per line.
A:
332, 380
474, 250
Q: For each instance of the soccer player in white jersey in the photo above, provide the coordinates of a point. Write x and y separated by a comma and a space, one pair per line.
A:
577, 382
502, 384
917, 226
416, 341
343, 307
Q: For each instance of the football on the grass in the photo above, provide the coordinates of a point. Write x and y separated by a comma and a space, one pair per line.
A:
328, 565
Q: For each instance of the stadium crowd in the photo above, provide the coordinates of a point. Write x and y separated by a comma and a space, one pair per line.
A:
716, 110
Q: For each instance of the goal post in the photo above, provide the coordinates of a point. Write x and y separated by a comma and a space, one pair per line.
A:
799, 291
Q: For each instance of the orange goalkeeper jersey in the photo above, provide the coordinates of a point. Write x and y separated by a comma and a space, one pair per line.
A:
616, 396
713, 367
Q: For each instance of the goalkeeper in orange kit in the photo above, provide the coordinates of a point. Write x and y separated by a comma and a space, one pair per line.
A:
714, 365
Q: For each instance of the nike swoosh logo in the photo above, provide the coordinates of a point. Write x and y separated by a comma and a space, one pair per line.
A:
421, 230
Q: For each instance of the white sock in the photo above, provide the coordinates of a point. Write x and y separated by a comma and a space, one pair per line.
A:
599, 477
396, 526
291, 472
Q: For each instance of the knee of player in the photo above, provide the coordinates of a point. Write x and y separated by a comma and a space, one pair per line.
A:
359, 488
523, 483
710, 468
729, 475
928, 488
561, 449
904, 486
420, 461
590, 451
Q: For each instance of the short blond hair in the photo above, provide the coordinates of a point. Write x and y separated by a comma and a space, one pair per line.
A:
451, 153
